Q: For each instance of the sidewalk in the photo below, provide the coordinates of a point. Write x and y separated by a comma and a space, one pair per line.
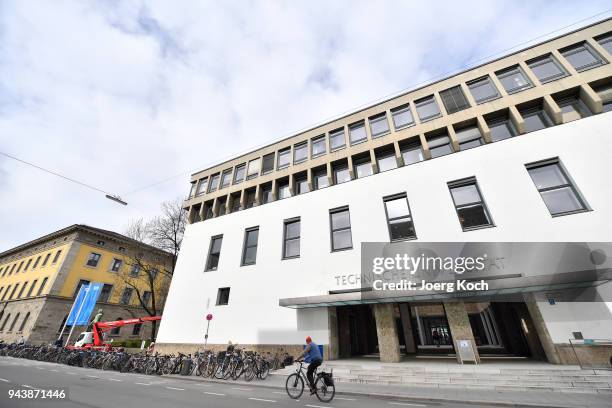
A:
424, 394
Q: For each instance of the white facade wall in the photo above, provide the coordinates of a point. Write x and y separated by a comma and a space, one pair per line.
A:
253, 315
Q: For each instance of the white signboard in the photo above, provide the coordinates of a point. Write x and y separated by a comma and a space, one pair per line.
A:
466, 351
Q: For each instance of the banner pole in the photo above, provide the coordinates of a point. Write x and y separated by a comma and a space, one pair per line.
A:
69, 313
76, 318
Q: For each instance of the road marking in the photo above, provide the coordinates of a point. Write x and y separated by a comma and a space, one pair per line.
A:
278, 392
174, 388
4, 380
345, 399
91, 376
214, 393
242, 389
70, 372
261, 399
142, 384
407, 404
55, 371
40, 368
206, 385
113, 379
315, 406
26, 386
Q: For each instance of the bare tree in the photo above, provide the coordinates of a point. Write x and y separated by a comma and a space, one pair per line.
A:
166, 230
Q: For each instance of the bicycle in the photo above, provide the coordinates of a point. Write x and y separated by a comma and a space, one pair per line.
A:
324, 387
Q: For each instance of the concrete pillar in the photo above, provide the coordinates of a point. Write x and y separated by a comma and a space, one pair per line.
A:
388, 343
459, 324
591, 98
425, 146
517, 119
334, 346
407, 326
398, 154
540, 327
553, 110
484, 129
373, 162
453, 137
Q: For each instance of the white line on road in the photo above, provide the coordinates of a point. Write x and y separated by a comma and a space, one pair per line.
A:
174, 388
315, 406
26, 386
91, 376
242, 389
345, 399
278, 392
261, 399
55, 371
40, 368
407, 404
206, 385
214, 393
4, 380
142, 384
70, 372
113, 379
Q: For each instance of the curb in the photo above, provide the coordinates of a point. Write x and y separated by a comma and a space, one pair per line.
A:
486, 403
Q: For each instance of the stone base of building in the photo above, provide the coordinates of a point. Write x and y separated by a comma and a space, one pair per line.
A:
190, 348
597, 356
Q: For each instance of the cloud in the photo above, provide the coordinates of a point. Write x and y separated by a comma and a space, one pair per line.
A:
122, 94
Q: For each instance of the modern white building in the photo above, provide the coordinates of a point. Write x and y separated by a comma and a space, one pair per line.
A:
517, 149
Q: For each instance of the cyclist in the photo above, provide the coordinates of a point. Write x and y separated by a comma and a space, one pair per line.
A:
312, 355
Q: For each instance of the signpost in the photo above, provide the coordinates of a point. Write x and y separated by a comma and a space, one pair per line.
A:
209, 317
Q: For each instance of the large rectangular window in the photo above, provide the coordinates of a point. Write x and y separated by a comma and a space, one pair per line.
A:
399, 219
582, 57
468, 137
301, 184
513, 79
223, 296
362, 166
126, 296
268, 163
336, 139
192, 189
239, 173
266, 193
282, 189
284, 158
572, 108
44, 262
555, 187
483, 89
93, 259
341, 173
439, 146
105, 293
427, 108
214, 182
501, 128
300, 152
470, 206
606, 42
250, 198
32, 286
385, 160
249, 252
214, 253
357, 133
402, 117
379, 126
135, 270
535, 118
454, 100
42, 286
318, 146
547, 69
319, 178
340, 223
253, 168
226, 177
291, 238
411, 153
202, 184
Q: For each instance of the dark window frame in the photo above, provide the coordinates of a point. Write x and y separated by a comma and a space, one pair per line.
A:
381, 117
301, 145
221, 291
506, 72
575, 48
332, 229
394, 197
431, 99
89, 258
208, 266
316, 140
476, 82
399, 110
544, 59
466, 182
285, 239
453, 94
245, 247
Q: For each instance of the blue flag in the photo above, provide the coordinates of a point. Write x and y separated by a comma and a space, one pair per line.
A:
84, 304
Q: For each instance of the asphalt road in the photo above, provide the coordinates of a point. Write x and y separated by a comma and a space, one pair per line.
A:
90, 388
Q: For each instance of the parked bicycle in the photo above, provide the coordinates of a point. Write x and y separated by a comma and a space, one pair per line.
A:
324, 386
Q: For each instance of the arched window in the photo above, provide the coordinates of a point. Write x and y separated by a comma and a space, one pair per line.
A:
25, 320
14, 322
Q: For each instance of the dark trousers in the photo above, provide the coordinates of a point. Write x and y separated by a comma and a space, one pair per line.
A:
310, 372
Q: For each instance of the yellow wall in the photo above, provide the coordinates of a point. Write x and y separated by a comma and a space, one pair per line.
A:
30, 274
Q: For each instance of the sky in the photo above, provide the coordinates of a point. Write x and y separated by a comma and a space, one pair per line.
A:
124, 94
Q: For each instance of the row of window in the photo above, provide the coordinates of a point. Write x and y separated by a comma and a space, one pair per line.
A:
14, 322
468, 135
8, 270
93, 260
546, 68
4, 292
551, 180
105, 293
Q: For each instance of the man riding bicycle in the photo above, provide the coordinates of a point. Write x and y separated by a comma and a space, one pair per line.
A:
312, 355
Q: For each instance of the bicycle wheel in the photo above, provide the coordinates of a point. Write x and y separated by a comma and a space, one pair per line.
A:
264, 371
249, 371
238, 369
325, 393
294, 386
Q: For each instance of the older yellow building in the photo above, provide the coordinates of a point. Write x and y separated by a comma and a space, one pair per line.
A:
40, 279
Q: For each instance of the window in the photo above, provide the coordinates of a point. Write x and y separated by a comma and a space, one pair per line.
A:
92, 260
223, 296
13, 269
222, 206
300, 152
454, 99
547, 68
135, 270
249, 252
341, 173
25, 320
136, 329
13, 292
267, 165
235, 200
605, 93
202, 184
469, 137
253, 168
32, 286
25, 284
239, 173
399, 219
439, 146
555, 187
357, 133
214, 252
301, 184
6, 291
42, 286
470, 207
379, 125
226, 177
291, 238
340, 223
116, 265
385, 160
192, 189
250, 198
319, 178
126, 296
146, 298
214, 182
105, 293
501, 128
402, 117
318, 146
483, 89
573, 108
153, 272
20, 265
535, 119
427, 108
266, 193
362, 167
117, 329
46, 259
284, 158
6, 319
412, 153
282, 189
208, 210
56, 257
336, 139
14, 322
582, 57
606, 42
78, 287
513, 79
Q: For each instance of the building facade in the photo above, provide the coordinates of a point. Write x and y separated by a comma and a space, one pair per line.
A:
39, 281
516, 149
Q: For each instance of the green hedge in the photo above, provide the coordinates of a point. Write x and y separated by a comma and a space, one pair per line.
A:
130, 343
